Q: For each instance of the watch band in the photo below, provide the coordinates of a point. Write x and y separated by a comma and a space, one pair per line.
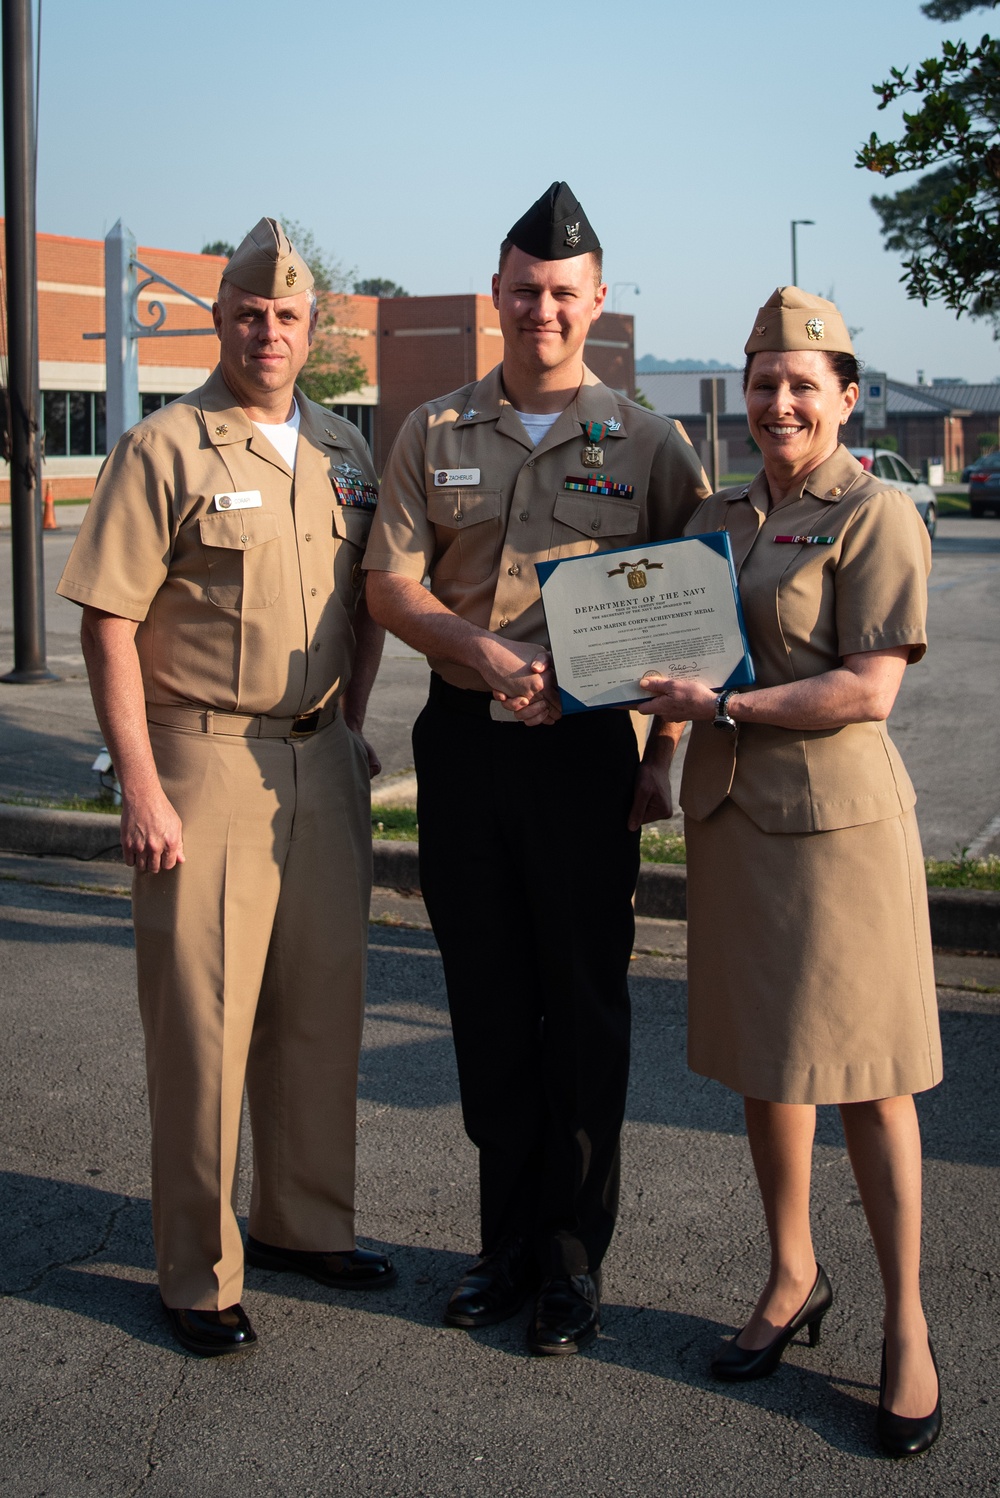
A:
722, 718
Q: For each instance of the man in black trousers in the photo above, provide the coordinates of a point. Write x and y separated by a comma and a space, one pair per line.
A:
529, 821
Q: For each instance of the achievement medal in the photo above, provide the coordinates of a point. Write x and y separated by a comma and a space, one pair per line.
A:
593, 453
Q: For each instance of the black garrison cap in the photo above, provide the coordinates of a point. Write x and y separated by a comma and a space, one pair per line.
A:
554, 228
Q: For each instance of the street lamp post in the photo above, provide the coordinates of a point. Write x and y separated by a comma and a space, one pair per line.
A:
795, 257
621, 286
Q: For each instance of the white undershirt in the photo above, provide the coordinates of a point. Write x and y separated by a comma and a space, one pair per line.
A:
537, 426
283, 435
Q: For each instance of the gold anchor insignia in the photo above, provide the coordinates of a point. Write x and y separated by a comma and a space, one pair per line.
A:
222, 430
291, 275
760, 329
815, 328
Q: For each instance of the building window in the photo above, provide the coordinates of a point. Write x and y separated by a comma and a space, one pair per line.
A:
75, 421
363, 417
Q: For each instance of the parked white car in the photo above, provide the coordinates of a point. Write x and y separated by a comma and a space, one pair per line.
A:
892, 468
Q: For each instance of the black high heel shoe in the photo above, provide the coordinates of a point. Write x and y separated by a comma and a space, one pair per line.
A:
737, 1364
901, 1435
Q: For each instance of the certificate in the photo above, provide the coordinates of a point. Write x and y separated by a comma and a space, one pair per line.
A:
667, 606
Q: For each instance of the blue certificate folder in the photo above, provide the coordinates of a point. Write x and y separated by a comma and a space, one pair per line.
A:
633, 562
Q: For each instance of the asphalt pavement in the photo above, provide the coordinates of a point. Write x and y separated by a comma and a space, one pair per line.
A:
371, 1395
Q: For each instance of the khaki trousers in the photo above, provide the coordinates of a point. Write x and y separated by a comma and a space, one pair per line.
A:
251, 968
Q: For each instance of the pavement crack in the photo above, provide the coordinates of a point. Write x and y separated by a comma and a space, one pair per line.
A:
33, 1283
158, 1417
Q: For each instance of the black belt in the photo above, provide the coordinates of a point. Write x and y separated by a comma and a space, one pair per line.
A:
459, 699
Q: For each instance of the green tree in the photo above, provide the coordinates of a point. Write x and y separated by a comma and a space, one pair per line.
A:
219, 247
379, 286
334, 368
948, 222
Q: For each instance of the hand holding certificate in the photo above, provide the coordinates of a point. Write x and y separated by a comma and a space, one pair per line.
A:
669, 606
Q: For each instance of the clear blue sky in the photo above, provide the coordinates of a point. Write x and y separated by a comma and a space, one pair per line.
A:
409, 136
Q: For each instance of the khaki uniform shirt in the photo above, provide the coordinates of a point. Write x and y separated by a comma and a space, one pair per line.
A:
479, 540
240, 609
806, 607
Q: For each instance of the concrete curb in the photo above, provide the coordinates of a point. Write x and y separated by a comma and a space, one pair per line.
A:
964, 920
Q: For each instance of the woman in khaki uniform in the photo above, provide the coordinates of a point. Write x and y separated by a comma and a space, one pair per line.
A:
811, 978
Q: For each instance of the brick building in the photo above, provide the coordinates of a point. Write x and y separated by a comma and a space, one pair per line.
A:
412, 349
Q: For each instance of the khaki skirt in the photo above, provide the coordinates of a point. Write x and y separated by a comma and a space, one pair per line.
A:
810, 972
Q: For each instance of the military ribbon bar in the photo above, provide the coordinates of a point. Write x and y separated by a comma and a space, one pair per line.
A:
598, 483
804, 540
356, 496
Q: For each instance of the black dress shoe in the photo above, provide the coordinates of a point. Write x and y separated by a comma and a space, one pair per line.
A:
211, 1334
495, 1288
357, 1269
903, 1435
568, 1314
738, 1364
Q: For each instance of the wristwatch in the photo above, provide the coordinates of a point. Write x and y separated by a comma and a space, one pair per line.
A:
722, 718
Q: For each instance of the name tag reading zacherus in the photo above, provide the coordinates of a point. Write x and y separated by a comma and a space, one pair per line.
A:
238, 499
449, 478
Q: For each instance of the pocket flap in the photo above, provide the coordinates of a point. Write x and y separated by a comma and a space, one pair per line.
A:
239, 529
352, 523
597, 514
460, 507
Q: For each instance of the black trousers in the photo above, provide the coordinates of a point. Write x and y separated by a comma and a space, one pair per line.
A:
527, 868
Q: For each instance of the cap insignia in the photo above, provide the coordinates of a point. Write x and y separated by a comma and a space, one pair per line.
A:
573, 235
222, 430
815, 327
760, 329
291, 276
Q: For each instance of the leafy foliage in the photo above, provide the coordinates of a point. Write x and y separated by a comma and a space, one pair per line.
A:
953, 10
333, 369
379, 286
219, 247
948, 222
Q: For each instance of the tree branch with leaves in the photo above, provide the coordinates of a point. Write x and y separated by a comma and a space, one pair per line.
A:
948, 222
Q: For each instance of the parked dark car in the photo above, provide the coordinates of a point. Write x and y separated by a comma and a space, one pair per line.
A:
984, 486
895, 471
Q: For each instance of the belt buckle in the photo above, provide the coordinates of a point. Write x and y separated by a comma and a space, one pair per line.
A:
304, 726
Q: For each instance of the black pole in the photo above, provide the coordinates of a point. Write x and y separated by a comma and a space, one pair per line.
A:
22, 346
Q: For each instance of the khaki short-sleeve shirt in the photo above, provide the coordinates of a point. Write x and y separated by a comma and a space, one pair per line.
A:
806, 605
242, 576
469, 501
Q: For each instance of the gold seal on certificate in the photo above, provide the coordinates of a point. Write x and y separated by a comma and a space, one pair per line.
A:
668, 606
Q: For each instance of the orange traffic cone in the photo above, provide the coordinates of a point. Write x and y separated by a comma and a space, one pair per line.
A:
49, 510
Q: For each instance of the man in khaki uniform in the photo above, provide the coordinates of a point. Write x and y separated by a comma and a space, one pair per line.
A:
529, 839
231, 655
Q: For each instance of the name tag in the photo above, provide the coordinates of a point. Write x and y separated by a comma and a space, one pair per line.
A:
238, 499
450, 478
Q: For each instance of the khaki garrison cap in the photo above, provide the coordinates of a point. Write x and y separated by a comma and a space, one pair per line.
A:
791, 319
267, 264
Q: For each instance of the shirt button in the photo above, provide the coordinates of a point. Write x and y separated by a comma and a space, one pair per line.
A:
503, 624
458, 515
315, 647
531, 462
523, 515
312, 592
244, 539
595, 525
514, 570
307, 537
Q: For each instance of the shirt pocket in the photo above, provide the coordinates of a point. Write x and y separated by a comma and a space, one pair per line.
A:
467, 532
244, 558
591, 522
351, 523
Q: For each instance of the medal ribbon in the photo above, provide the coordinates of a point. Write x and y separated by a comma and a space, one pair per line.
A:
595, 431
